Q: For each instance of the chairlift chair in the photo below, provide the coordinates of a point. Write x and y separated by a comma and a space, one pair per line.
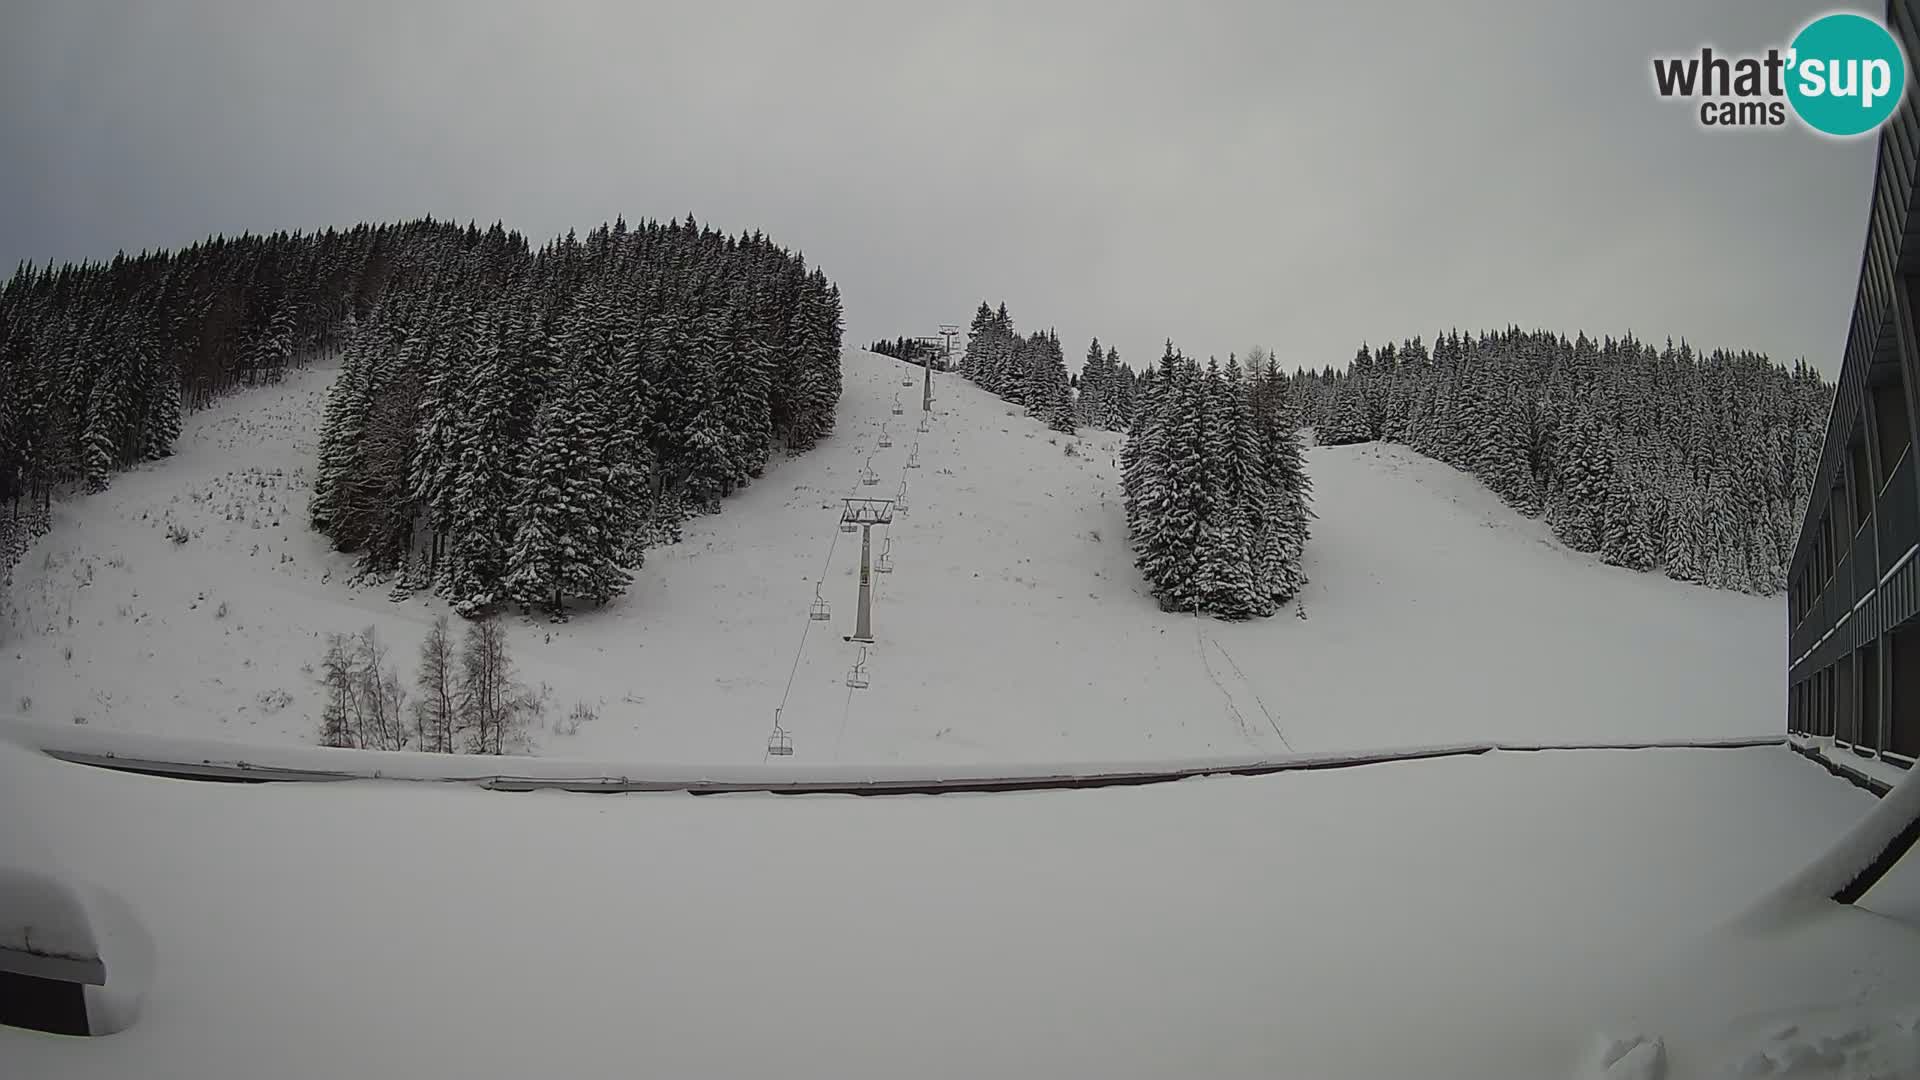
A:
779, 743
923, 429
913, 459
857, 678
867, 475
885, 564
819, 611
900, 500
898, 409
848, 526
886, 440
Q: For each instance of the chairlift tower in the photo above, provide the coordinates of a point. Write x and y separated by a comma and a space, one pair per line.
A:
949, 331
866, 513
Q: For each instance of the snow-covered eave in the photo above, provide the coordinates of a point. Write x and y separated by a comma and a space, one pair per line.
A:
221, 760
1875, 775
1853, 864
44, 929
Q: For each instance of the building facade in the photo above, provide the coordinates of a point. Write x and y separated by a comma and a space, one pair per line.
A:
1853, 638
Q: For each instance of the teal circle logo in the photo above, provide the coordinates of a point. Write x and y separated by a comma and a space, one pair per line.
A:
1846, 74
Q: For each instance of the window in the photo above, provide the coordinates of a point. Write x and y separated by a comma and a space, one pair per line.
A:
1903, 696
1823, 700
1823, 547
1868, 724
1890, 418
1845, 719
1861, 481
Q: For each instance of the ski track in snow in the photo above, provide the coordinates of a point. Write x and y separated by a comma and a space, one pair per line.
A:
1014, 627
1430, 919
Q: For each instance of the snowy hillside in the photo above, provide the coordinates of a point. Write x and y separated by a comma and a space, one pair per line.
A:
1422, 920
1012, 628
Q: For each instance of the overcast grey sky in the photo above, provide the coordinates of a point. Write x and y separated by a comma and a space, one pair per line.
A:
1224, 174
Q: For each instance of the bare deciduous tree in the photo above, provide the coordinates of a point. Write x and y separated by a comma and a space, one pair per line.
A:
435, 713
338, 677
493, 707
381, 697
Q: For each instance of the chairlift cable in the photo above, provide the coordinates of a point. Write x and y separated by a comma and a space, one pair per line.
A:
801, 649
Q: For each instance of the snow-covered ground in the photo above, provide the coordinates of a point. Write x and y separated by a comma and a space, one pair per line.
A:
1013, 629
1483, 918
1537, 915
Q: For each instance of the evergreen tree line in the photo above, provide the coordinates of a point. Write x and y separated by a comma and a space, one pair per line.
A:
1106, 391
1216, 489
910, 350
1699, 466
1026, 370
99, 360
517, 427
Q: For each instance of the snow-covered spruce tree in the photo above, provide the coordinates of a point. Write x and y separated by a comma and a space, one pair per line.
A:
1345, 420
1282, 537
110, 411
1090, 402
1145, 479
480, 490
1049, 396
1122, 391
341, 432
565, 541
161, 425
1228, 583
973, 360
1215, 489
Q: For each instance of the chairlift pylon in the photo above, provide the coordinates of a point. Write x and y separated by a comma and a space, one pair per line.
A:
867, 475
857, 678
819, 610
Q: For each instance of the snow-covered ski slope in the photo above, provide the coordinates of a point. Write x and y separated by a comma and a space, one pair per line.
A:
1486, 918
1013, 627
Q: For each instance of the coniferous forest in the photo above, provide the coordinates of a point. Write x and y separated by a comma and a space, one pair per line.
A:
1027, 370
1699, 466
1213, 472
1216, 487
508, 425
910, 350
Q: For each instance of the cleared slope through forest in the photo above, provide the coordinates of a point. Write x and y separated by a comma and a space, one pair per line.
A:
1013, 627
